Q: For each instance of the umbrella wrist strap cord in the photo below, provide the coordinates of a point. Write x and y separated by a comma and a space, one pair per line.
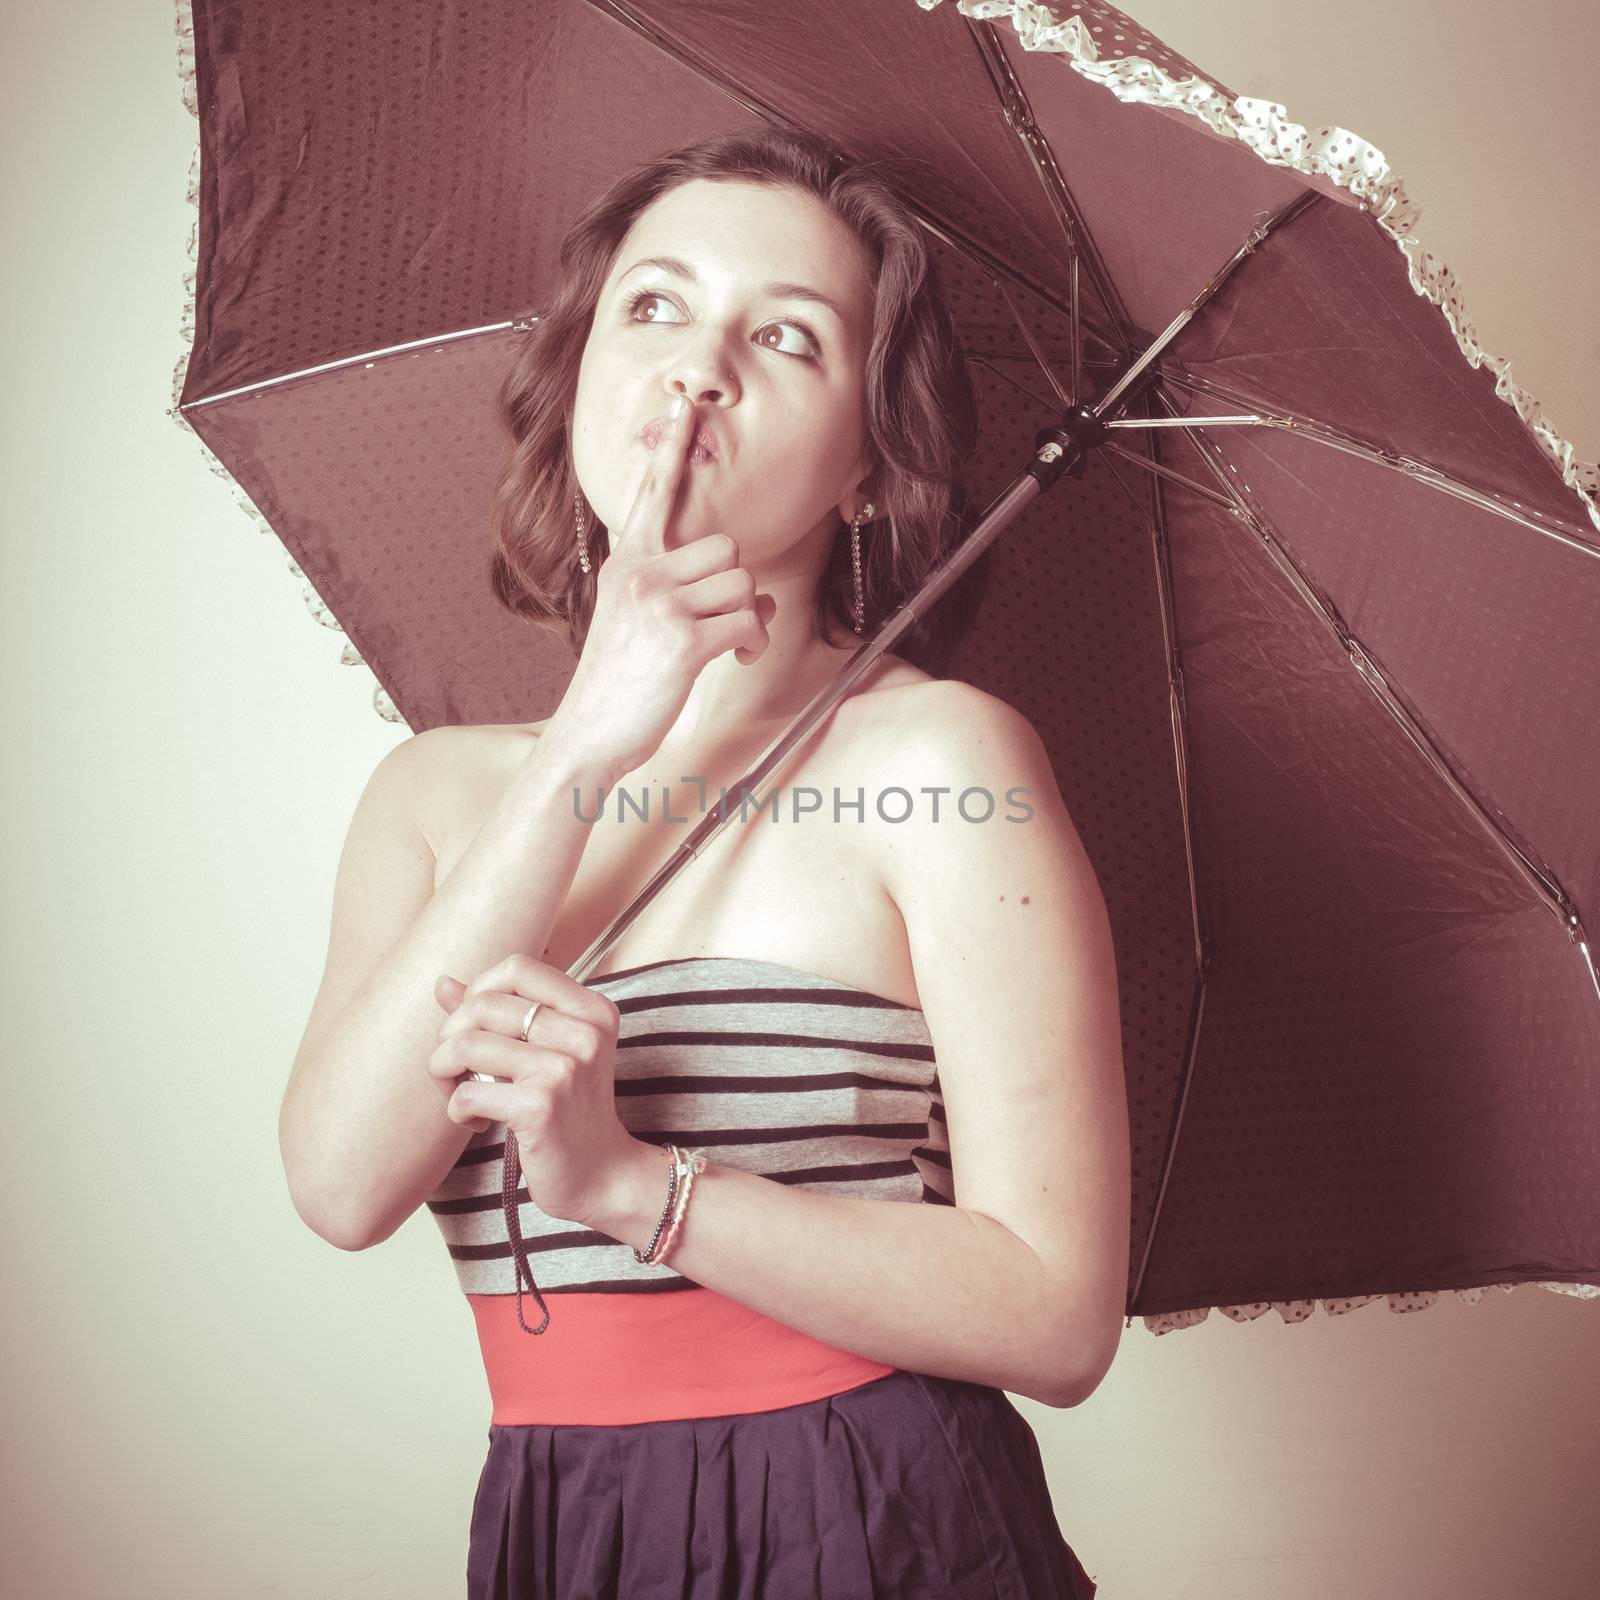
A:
683, 1165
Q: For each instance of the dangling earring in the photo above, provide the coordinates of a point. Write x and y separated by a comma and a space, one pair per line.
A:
583, 543
865, 514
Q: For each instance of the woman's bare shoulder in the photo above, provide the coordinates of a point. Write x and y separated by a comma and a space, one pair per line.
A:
456, 743
917, 703
925, 731
460, 768
457, 751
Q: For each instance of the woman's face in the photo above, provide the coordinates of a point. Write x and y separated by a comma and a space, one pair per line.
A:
776, 379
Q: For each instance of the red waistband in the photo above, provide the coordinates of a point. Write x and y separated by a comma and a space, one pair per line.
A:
651, 1357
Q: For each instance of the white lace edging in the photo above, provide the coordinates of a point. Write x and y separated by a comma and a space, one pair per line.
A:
1299, 1310
1333, 153
349, 655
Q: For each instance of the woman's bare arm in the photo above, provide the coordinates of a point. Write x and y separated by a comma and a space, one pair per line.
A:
362, 1128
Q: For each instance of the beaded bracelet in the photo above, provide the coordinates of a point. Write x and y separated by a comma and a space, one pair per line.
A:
685, 1164
689, 1163
672, 1189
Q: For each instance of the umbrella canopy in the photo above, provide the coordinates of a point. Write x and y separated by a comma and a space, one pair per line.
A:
1311, 671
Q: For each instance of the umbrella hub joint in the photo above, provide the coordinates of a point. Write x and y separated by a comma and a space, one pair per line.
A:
1063, 448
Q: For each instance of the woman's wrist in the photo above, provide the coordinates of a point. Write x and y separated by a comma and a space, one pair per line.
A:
637, 1194
572, 762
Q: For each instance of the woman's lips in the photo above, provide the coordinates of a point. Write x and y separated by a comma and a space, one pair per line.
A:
703, 449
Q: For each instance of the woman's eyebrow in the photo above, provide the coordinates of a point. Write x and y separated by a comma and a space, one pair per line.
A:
680, 268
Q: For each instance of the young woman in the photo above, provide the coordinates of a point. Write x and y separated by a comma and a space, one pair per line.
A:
740, 432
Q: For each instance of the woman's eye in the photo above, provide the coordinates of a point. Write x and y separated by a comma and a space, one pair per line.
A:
639, 299
808, 349
808, 345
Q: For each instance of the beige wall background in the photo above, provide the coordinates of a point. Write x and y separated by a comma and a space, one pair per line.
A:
202, 1398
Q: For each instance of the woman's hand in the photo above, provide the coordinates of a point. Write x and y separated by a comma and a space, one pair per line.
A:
556, 1098
660, 615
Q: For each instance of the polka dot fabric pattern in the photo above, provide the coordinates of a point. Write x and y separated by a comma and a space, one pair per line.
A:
1306, 685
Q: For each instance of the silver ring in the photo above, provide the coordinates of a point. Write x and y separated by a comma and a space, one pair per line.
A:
527, 1022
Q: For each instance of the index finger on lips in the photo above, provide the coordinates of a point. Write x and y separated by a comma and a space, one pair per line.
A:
652, 507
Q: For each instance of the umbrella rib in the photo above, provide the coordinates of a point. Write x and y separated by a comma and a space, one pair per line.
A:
1005, 377
1206, 293
1013, 355
350, 361
992, 265
1538, 877
1179, 722
1130, 455
1080, 243
1176, 477
1420, 471
1067, 401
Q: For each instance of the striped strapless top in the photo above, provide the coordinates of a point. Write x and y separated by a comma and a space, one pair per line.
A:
766, 1067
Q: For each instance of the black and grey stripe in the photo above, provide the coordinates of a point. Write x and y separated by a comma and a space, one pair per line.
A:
765, 1067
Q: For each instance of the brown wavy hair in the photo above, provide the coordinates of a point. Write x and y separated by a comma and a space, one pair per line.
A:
921, 407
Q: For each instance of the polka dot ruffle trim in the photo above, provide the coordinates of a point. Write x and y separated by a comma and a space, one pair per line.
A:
1299, 1310
1099, 43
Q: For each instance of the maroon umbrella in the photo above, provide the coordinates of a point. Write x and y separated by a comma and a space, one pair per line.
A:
1302, 599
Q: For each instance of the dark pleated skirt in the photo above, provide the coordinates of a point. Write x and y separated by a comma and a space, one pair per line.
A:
907, 1486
